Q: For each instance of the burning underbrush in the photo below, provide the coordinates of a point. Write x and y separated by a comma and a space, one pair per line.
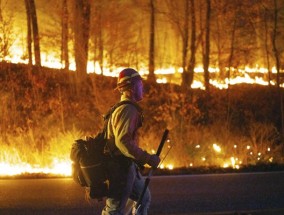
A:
43, 111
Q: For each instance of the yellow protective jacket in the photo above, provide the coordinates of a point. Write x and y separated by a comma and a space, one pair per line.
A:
122, 132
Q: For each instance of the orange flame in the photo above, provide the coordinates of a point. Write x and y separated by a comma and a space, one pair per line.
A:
11, 164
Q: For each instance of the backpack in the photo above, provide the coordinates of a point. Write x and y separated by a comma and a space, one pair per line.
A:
89, 159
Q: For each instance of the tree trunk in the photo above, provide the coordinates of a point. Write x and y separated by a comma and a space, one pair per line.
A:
64, 39
275, 50
188, 73
277, 62
231, 56
229, 73
81, 34
1, 17
33, 17
101, 44
151, 76
191, 64
266, 47
98, 37
29, 33
185, 74
220, 41
207, 46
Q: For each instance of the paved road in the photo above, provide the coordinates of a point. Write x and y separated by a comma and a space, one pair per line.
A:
253, 193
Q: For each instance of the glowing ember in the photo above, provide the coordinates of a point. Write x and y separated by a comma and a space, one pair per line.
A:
167, 166
216, 147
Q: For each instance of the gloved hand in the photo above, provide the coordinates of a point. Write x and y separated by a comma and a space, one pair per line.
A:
153, 160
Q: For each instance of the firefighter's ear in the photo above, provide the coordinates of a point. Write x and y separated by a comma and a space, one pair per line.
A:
120, 91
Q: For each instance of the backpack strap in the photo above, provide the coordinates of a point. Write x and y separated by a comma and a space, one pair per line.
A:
112, 109
107, 115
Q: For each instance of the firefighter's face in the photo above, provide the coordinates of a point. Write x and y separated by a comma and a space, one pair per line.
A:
138, 90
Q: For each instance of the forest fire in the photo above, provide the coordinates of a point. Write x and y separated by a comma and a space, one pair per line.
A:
12, 164
55, 168
15, 159
167, 75
50, 37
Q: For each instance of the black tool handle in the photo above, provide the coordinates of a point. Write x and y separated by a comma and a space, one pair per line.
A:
162, 143
147, 181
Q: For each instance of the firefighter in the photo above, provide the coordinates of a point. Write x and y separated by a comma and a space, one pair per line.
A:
125, 180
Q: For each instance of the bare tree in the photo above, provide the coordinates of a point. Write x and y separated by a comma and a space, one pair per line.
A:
151, 76
115, 36
188, 68
64, 36
98, 36
181, 23
191, 63
82, 10
230, 62
206, 53
29, 33
219, 37
185, 74
277, 62
33, 34
274, 45
1, 16
266, 45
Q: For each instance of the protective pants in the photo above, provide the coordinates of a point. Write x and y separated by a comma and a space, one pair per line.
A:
132, 190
